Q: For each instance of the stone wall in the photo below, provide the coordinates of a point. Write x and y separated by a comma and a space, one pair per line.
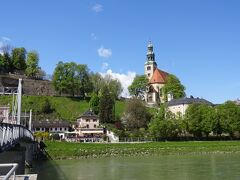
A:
30, 86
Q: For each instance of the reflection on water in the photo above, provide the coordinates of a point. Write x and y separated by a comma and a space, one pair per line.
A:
181, 167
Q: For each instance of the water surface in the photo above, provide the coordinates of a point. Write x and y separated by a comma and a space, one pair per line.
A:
168, 167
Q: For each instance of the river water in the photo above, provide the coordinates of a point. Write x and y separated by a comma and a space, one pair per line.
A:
166, 167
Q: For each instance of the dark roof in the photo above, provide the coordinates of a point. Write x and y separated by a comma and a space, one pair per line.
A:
89, 114
186, 100
50, 124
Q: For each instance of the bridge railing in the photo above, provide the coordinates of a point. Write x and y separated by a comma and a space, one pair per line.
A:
10, 134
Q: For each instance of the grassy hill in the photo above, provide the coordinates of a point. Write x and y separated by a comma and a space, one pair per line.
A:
56, 107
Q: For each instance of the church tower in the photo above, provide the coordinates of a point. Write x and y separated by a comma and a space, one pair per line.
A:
150, 64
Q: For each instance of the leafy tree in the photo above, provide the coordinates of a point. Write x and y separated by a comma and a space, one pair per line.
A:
173, 85
114, 85
5, 62
164, 125
71, 78
106, 105
200, 118
97, 82
94, 103
32, 64
138, 86
229, 117
18, 58
136, 114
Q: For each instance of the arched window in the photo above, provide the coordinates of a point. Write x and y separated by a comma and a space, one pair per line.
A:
149, 68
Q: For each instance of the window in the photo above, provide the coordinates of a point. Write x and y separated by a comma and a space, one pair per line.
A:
87, 120
37, 129
149, 68
87, 126
55, 129
94, 120
148, 74
65, 129
60, 129
95, 126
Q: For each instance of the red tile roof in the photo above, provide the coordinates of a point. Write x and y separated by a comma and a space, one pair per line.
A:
159, 77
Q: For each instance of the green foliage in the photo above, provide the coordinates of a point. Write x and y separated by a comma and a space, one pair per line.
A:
229, 118
199, 119
60, 107
164, 125
174, 86
106, 105
18, 58
72, 78
114, 86
138, 86
136, 115
5, 62
97, 82
94, 103
32, 64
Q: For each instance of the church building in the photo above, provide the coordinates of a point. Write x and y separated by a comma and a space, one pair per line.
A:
156, 79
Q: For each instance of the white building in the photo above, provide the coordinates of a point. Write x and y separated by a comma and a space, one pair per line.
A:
88, 125
179, 106
51, 126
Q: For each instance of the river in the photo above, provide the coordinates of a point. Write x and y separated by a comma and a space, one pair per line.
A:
167, 167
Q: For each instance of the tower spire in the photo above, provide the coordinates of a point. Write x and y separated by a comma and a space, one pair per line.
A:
150, 53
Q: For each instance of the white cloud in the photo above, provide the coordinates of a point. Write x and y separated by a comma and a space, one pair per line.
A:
93, 36
103, 52
125, 79
105, 66
97, 8
6, 39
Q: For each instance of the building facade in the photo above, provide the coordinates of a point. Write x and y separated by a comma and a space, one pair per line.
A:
88, 125
56, 126
156, 78
179, 106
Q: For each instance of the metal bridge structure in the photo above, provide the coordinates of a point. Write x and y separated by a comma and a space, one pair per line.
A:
11, 132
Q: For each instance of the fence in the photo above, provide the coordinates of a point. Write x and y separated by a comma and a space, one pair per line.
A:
11, 171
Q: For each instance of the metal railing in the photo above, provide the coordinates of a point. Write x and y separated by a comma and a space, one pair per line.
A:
12, 171
8, 90
10, 134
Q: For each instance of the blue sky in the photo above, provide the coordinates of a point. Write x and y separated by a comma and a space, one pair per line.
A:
198, 41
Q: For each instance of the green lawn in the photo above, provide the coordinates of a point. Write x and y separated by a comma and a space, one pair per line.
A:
64, 150
63, 107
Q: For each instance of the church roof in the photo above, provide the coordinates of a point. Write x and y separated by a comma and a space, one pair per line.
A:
159, 76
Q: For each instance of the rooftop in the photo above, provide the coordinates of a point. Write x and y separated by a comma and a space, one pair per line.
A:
50, 123
89, 113
186, 100
159, 76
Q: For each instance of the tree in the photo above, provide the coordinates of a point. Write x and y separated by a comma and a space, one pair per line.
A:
138, 86
164, 125
106, 105
97, 82
32, 64
229, 117
114, 86
18, 58
5, 62
173, 85
136, 114
94, 103
200, 118
71, 78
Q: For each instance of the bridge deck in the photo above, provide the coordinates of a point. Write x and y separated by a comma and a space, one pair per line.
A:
23, 177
